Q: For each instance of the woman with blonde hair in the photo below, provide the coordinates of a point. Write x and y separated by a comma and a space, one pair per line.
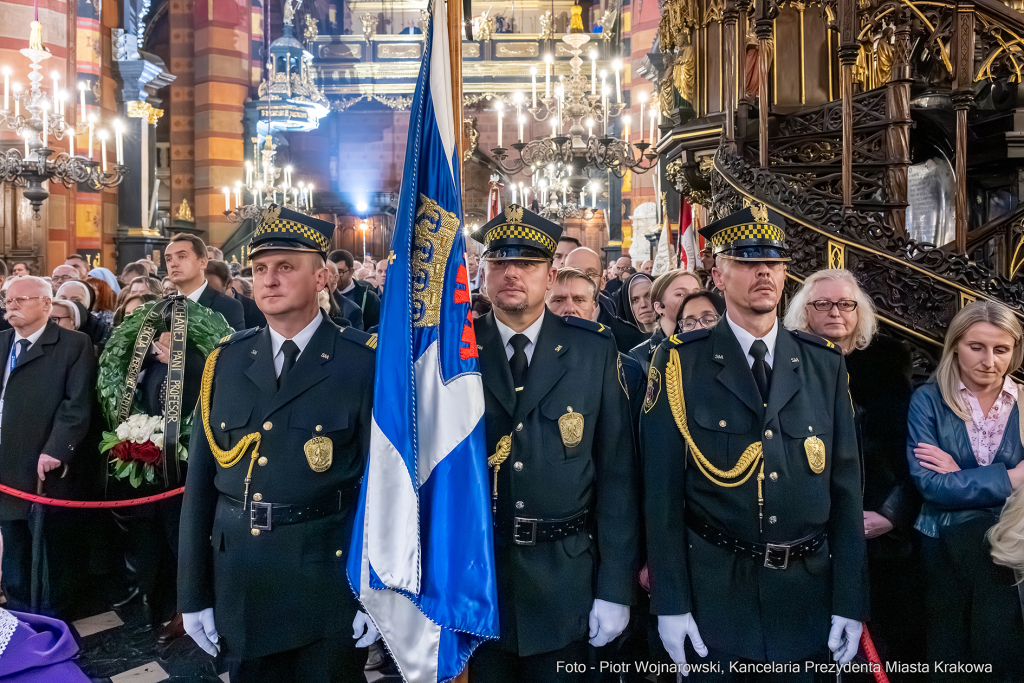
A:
966, 457
832, 305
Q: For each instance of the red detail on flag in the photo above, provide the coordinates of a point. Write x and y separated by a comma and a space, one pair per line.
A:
462, 278
469, 338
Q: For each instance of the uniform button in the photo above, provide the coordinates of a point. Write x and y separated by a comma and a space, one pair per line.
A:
721, 423
255, 532
774, 476
768, 434
520, 505
319, 428
262, 461
772, 519
518, 467
257, 497
222, 425
337, 553
810, 429
268, 425
519, 427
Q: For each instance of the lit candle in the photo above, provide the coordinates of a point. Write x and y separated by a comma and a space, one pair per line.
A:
7, 89
513, 193
548, 59
248, 173
238, 193
499, 107
119, 142
526, 196
533, 77
654, 122
593, 72
17, 100
227, 199
92, 120
522, 122
71, 142
309, 197
565, 193
625, 129
46, 124
593, 196
590, 128
643, 98
604, 97
81, 91
103, 149
295, 196
56, 77
618, 81
554, 128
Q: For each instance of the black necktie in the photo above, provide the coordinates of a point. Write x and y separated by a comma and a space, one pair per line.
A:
762, 371
23, 345
291, 351
518, 362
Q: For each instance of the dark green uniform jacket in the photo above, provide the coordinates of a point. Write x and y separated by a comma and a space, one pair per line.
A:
546, 591
742, 607
283, 588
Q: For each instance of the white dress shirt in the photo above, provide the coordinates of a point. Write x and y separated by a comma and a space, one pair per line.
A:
194, 296
351, 286
747, 340
300, 339
531, 333
32, 339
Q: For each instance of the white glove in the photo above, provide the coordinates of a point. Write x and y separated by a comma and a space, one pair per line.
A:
364, 630
203, 630
844, 638
674, 630
607, 621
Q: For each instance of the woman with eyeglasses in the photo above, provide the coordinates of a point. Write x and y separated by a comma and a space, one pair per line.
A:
831, 304
65, 314
699, 310
666, 296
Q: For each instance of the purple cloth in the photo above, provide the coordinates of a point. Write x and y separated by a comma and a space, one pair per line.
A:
40, 651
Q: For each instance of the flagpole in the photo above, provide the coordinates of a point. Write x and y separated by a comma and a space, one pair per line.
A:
455, 33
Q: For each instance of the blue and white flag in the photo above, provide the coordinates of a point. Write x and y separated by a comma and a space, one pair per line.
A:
422, 559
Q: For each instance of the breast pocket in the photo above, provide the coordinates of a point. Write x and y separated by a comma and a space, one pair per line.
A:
573, 420
230, 424
721, 434
807, 433
334, 425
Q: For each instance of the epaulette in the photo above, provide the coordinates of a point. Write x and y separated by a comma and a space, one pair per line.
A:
238, 336
692, 335
588, 325
358, 337
815, 339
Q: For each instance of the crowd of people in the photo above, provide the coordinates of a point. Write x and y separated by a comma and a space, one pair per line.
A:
687, 482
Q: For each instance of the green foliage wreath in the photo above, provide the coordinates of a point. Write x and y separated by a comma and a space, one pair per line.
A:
205, 329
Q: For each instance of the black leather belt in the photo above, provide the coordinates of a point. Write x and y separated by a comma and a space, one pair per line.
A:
531, 531
775, 555
265, 516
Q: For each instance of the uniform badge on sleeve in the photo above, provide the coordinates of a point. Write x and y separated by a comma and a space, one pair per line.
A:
571, 426
653, 389
815, 454
319, 453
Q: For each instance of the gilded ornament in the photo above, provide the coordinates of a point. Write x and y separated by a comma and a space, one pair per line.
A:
571, 427
435, 232
815, 449
319, 453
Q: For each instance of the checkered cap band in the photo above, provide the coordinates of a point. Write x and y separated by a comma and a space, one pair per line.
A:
520, 231
286, 227
748, 231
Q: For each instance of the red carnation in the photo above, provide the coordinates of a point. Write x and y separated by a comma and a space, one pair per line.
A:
146, 452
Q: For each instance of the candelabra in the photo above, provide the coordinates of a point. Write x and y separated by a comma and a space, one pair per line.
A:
44, 118
266, 185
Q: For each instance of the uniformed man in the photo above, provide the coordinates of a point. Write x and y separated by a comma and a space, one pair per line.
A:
280, 440
566, 518
752, 479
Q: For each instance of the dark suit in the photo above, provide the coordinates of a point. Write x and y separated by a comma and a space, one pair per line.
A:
284, 589
225, 305
626, 336
349, 310
742, 608
367, 301
253, 315
48, 405
546, 590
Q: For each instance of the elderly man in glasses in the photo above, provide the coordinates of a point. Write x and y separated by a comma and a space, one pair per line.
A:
752, 478
45, 409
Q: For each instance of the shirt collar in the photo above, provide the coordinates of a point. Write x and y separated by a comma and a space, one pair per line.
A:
351, 286
300, 339
1009, 388
531, 332
32, 338
194, 296
746, 339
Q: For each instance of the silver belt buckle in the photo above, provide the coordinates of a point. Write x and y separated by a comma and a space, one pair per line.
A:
261, 516
772, 551
533, 531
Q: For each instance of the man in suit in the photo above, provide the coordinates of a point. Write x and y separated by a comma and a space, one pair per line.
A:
626, 336
46, 405
565, 527
360, 293
279, 447
566, 245
349, 311
218, 276
185, 258
752, 478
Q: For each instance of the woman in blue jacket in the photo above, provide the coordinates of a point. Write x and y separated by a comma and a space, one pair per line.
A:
966, 458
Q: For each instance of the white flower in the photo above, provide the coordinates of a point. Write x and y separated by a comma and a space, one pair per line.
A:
140, 428
158, 440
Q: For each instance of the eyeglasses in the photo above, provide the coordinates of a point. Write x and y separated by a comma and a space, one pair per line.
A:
707, 322
17, 301
57, 318
845, 305
62, 278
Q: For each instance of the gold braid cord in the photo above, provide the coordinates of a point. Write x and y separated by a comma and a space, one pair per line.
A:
225, 458
747, 462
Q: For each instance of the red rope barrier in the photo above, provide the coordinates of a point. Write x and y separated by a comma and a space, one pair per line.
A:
868, 646
90, 504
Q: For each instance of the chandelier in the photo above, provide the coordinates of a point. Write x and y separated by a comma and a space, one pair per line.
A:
555, 197
570, 105
266, 185
44, 118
